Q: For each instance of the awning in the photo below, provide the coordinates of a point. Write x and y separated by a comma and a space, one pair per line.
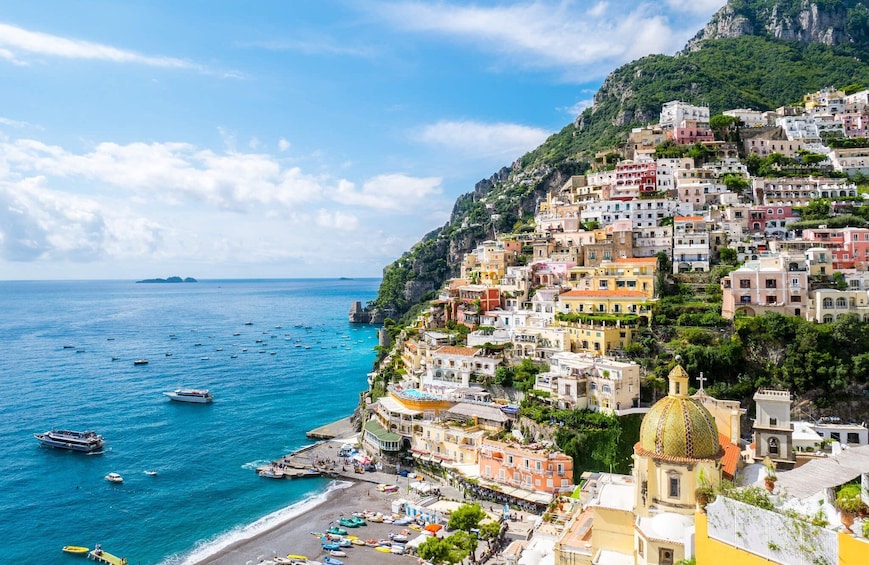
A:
433, 528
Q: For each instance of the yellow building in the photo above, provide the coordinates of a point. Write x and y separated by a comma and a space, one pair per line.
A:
633, 273
598, 338
615, 301
449, 441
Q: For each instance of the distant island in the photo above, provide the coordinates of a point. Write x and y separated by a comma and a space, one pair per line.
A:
169, 280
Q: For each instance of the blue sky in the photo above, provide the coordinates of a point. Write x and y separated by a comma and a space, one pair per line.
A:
274, 139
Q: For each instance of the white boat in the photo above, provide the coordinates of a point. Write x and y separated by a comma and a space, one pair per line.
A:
338, 553
140, 362
199, 396
151, 473
114, 478
68, 439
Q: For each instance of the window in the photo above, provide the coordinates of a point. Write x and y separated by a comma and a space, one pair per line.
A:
773, 446
770, 299
665, 556
773, 421
744, 283
770, 283
674, 486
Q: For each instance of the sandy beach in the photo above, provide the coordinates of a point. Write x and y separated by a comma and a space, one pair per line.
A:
294, 535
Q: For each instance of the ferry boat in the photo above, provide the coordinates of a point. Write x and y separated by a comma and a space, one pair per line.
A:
67, 439
199, 396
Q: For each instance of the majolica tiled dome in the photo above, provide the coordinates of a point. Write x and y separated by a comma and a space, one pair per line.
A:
678, 426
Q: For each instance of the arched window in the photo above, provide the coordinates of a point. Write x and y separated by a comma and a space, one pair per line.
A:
841, 303
606, 389
828, 319
773, 446
828, 303
593, 386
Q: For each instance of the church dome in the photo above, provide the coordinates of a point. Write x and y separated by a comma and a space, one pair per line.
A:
678, 426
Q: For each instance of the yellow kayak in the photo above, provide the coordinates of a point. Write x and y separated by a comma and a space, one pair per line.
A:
351, 538
382, 549
75, 549
299, 557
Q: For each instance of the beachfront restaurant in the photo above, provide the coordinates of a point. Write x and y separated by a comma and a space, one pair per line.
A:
383, 442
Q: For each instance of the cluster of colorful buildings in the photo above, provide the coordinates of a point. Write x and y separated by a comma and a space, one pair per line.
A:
573, 294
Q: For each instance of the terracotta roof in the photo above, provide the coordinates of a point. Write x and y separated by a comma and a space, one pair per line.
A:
410, 345
731, 457
456, 350
603, 294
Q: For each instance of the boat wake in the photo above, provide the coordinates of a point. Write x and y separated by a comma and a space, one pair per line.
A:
251, 465
210, 548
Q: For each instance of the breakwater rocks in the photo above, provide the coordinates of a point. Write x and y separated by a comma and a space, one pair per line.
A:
366, 315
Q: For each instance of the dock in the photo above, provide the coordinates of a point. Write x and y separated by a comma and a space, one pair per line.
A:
105, 557
341, 428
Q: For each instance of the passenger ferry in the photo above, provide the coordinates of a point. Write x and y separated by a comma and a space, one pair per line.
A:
67, 439
190, 395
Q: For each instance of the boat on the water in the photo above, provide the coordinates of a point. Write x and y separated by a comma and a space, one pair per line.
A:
68, 439
140, 362
76, 549
199, 396
114, 478
151, 473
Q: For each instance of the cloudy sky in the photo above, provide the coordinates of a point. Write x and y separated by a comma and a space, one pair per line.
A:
276, 139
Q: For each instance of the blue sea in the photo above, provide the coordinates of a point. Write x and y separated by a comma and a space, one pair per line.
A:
298, 365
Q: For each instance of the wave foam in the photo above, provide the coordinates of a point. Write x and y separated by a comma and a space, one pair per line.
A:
254, 464
210, 548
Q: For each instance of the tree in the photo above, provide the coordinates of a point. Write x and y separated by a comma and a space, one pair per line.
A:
727, 255
723, 126
440, 550
490, 530
466, 517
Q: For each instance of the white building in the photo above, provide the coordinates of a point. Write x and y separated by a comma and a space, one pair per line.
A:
646, 212
585, 381
675, 112
690, 244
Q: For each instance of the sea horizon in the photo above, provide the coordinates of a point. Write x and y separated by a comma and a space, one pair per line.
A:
298, 365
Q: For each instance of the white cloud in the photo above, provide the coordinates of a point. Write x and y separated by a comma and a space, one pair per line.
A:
16, 43
577, 109
309, 44
335, 220
704, 7
283, 144
567, 36
502, 141
394, 192
172, 173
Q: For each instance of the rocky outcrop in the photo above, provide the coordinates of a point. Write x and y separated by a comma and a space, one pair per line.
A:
789, 20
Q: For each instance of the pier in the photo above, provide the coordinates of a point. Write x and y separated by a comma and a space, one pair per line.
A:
342, 427
105, 557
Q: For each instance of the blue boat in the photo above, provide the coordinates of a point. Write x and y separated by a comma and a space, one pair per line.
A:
328, 560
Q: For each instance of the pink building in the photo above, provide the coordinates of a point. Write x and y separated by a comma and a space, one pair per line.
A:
770, 220
856, 242
634, 178
690, 132
532, 467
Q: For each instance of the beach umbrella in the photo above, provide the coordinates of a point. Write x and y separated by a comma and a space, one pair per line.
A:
433, 528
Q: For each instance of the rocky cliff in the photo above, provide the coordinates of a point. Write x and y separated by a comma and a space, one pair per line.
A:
829, 22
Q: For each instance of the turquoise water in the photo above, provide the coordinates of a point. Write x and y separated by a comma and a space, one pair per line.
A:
307, 370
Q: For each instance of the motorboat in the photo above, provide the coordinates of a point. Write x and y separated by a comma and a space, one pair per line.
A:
151, 473
200, 396
329, 560
140, 362
270, 474
68, 439
338, 553
75, 549
114, 478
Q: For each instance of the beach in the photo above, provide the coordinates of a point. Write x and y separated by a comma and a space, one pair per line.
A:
293, 536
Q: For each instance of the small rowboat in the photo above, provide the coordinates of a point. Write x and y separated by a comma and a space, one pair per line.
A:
77, 549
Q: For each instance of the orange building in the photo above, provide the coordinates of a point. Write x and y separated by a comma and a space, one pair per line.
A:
532, 467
